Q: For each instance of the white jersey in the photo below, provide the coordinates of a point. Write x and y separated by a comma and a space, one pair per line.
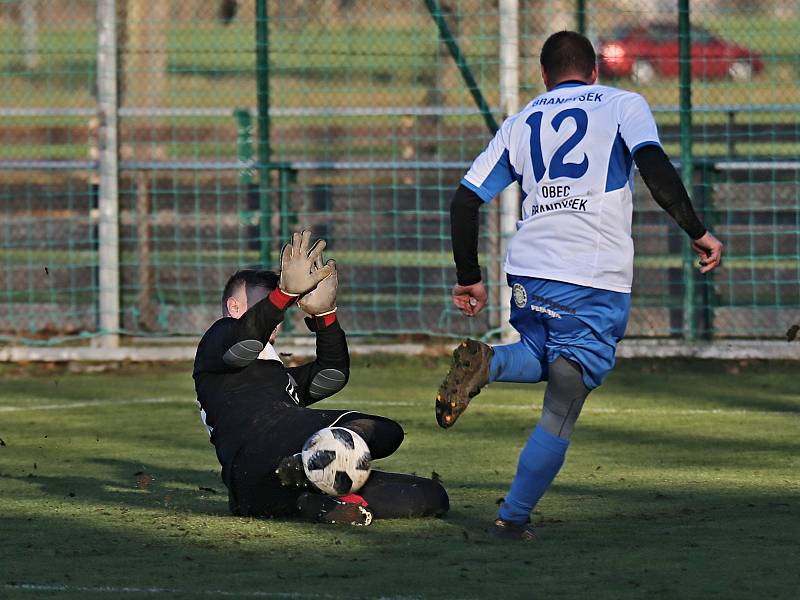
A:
570, 150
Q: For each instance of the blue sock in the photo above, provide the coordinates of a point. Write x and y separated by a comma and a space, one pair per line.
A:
539, 463
514, 363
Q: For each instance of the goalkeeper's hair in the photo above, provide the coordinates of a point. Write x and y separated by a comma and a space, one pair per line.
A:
567, 52
250, 278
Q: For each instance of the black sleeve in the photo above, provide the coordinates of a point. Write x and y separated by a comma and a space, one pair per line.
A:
667, 188
329, 372
464, 223
232, 344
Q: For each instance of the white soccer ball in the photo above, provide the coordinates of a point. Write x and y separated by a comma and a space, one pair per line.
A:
337, 461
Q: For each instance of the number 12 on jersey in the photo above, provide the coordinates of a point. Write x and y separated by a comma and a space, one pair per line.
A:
557, 167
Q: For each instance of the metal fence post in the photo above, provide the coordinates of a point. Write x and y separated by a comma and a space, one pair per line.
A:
244, 144
264, 148
509, 99
30, 34
108, 198
580, 16
687, 158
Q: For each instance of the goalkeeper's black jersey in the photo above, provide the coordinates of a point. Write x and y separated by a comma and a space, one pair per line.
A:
241, 395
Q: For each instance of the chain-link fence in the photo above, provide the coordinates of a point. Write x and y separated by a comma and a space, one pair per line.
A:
237, 122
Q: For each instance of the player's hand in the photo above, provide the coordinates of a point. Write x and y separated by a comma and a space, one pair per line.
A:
709, 249
297, 259
322, 299
290, 471
470, 299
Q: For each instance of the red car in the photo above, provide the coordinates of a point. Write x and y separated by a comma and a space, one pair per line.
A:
643, 53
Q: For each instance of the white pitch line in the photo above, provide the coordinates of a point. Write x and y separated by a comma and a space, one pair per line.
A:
349, 403
91, 403
696, 411
611, 411
37, 587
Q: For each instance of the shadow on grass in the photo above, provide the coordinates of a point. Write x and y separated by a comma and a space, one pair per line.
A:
706, 445
762, 386
669, 550
134, 485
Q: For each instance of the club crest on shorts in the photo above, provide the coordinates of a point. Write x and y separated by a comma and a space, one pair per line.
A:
519, 294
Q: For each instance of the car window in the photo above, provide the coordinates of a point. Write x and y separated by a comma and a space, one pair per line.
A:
701, 36
663, 33
623, 31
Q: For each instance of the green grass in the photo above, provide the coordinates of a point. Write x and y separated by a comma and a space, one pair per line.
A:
58, 257
764, 34
332, 64
682, 482
315, 55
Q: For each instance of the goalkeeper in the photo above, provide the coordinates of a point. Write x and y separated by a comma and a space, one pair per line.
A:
255, 408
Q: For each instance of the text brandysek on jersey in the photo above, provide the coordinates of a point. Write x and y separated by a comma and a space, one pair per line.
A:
574, 204
590, 97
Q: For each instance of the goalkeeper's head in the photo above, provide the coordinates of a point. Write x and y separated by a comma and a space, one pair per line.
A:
244, 289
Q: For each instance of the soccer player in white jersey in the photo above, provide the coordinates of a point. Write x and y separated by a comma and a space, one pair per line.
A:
570, 263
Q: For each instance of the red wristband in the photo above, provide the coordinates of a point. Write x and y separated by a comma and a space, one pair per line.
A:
280, 299
328, 319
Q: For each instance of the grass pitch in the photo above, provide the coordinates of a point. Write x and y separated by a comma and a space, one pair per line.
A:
682, 482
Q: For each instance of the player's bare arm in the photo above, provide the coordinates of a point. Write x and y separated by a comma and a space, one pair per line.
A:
670, 194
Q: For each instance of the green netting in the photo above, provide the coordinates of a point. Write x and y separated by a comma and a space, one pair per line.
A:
370, 128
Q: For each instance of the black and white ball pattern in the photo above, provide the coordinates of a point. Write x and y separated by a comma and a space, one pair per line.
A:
337, 461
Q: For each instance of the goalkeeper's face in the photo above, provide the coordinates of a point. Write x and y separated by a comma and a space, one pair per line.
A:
245, 297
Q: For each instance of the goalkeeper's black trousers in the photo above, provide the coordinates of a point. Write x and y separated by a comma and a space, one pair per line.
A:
256, 491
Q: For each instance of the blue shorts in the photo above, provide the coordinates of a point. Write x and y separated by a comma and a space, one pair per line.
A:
580, 323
